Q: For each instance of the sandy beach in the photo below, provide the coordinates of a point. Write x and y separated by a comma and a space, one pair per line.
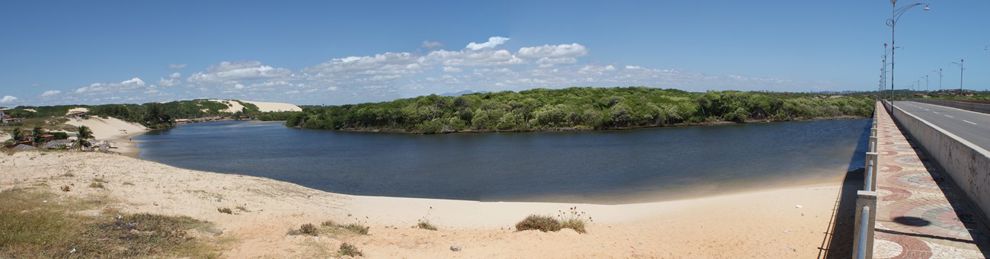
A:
778, 222
117, 131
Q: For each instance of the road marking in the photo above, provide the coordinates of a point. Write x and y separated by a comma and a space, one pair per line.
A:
970, 122
950, 116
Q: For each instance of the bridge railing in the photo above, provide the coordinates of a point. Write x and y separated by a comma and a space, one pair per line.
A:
866, 199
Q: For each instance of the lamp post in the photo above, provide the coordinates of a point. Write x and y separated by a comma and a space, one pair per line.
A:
895, 14
961, 68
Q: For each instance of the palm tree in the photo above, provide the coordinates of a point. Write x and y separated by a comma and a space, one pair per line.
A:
17, 135
37, 132
84, 133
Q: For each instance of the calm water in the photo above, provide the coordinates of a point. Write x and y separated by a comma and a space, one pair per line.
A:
598, 167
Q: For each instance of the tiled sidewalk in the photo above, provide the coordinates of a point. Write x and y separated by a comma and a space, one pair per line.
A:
917, 216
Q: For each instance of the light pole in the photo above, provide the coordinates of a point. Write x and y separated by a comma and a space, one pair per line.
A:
939, 78
961, 68
895, 14
926, 83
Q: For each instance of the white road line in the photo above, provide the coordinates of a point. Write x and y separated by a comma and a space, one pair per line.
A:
950, 116
970, 122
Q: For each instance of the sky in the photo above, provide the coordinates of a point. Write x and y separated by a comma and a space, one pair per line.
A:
341, 52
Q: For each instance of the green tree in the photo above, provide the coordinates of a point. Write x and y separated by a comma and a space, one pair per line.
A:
84, 134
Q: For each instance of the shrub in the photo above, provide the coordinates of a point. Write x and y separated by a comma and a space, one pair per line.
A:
353, 227
349, 250
308, 229
538, 222
96, 185
426, 225
575, 224
225, 210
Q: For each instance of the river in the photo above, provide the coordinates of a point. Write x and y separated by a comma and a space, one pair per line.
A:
605, 167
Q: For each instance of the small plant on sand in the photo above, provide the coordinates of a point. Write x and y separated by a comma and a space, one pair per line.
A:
572, 219
538, 222
96, 185
308, 229
423, 224
65, 188
349, 250
356, 228
225, 210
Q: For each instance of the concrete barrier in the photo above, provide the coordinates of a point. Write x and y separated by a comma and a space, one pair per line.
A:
966, 164
971, 106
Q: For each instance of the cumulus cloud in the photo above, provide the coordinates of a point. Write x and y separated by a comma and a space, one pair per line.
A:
491, 43
231, 72
172, 80
548, 55
8, 99
123, 86
486, 66
50, 93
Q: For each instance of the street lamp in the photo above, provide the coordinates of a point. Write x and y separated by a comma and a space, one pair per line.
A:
895, 15
961, 68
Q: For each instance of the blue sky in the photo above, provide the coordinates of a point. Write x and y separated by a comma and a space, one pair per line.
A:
323, 52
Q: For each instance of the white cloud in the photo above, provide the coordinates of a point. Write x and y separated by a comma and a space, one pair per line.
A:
484, 66
492, 42
432, 44
133, 82
549, 55
176, 66
8, 99
50, 93
232, 72
172, 80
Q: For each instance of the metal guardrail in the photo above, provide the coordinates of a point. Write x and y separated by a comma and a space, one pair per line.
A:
866, 199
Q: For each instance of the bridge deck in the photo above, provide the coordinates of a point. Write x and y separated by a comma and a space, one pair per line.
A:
919, 214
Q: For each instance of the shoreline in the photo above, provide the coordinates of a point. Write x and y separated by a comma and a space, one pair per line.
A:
581, 129
775, 221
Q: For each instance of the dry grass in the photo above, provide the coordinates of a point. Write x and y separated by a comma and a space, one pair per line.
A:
572, 219
349, 250
33, 228
538, 222
423, 224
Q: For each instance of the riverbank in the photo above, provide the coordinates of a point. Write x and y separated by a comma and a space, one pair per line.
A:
589, 129
778, 221
118, 132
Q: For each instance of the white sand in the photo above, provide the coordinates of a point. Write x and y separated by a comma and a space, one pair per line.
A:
275, 107
115, 130
761, 224
77, 110
232, 106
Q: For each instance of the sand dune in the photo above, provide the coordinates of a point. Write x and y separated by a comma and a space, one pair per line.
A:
774, 223
232, 106
235, 106
115, 130
275, 107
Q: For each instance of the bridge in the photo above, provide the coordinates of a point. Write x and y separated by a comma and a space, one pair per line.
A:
926, 186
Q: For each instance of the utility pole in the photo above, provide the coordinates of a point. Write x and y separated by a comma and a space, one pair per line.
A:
961, 68
926, 83
940, 79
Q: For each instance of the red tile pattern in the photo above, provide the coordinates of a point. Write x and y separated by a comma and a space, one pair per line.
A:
915, 218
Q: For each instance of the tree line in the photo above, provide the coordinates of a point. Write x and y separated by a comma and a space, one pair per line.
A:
578, 108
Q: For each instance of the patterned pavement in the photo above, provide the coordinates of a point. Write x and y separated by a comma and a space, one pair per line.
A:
919, 216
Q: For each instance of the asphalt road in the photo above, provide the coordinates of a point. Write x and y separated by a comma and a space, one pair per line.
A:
969, 125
